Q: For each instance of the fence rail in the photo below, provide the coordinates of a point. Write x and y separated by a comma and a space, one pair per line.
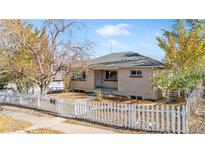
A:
159, 118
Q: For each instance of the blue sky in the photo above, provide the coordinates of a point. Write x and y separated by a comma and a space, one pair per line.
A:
124, 35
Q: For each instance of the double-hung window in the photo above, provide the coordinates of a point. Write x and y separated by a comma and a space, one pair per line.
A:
136, 73
79, 76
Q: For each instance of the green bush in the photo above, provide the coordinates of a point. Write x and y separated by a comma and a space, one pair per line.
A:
178, 80
99, 95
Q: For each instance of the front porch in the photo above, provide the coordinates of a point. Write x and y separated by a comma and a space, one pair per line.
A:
106, 80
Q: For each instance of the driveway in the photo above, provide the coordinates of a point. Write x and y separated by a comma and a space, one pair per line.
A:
51, 122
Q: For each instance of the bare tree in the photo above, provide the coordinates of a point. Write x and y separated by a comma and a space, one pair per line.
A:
49, 48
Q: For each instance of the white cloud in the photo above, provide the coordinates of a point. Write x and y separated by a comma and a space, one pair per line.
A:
117, 45
114, 30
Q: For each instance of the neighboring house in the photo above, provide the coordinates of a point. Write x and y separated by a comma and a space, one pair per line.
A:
124, 73
57, 84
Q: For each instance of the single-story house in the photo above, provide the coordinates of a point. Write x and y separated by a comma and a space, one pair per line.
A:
123, 73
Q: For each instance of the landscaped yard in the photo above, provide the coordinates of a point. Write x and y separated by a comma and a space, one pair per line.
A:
70, 95
9, 124
105, 99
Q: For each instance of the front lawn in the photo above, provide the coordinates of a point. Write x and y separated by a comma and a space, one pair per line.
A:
9, 124
44, 131
106, 99
70, 95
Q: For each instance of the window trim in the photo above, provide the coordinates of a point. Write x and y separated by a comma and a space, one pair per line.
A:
108, 79
137, 75
79, 79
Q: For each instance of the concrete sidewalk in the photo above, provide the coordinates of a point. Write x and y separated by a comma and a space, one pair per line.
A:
55, 123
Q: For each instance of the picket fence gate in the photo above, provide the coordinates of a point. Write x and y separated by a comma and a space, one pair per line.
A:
159, 118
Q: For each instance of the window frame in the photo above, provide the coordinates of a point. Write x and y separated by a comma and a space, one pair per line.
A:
108, 75
136, 74
81, 76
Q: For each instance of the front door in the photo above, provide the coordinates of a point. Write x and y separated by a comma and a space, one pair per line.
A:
98, 77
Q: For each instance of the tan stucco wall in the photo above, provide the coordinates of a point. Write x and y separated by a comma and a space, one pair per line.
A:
127, 86
87, 85
136, 86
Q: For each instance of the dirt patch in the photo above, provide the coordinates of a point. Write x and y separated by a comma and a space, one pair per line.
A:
9, 124
197, 120
111, 99
69, 95
44, 131
116, 99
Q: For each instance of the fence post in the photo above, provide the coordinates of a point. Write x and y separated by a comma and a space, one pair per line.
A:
125, 116
173, 119
162, 117
84, 109
134, 116
157, 118
102, 112
167, 118
21, 99
62, 109
90, 111
152, 117
178, 120
147, 117
187, 113
121, 109
114, 122
38, 102
143, 117
183, 119
129, 115
105, 113
111, 113
98, 113
139, 116
108, 112
118, 114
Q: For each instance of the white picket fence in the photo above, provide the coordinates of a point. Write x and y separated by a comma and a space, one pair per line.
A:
159, 118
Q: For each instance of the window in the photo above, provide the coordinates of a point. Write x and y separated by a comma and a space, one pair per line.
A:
58, 82
132, 97
136, 73
136, 97
111, 75
139, 97
79, 76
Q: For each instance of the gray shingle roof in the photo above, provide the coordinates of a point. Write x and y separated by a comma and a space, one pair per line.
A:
125, 59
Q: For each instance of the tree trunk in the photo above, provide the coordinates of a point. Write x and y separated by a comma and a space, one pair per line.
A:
67, 82
43, 89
